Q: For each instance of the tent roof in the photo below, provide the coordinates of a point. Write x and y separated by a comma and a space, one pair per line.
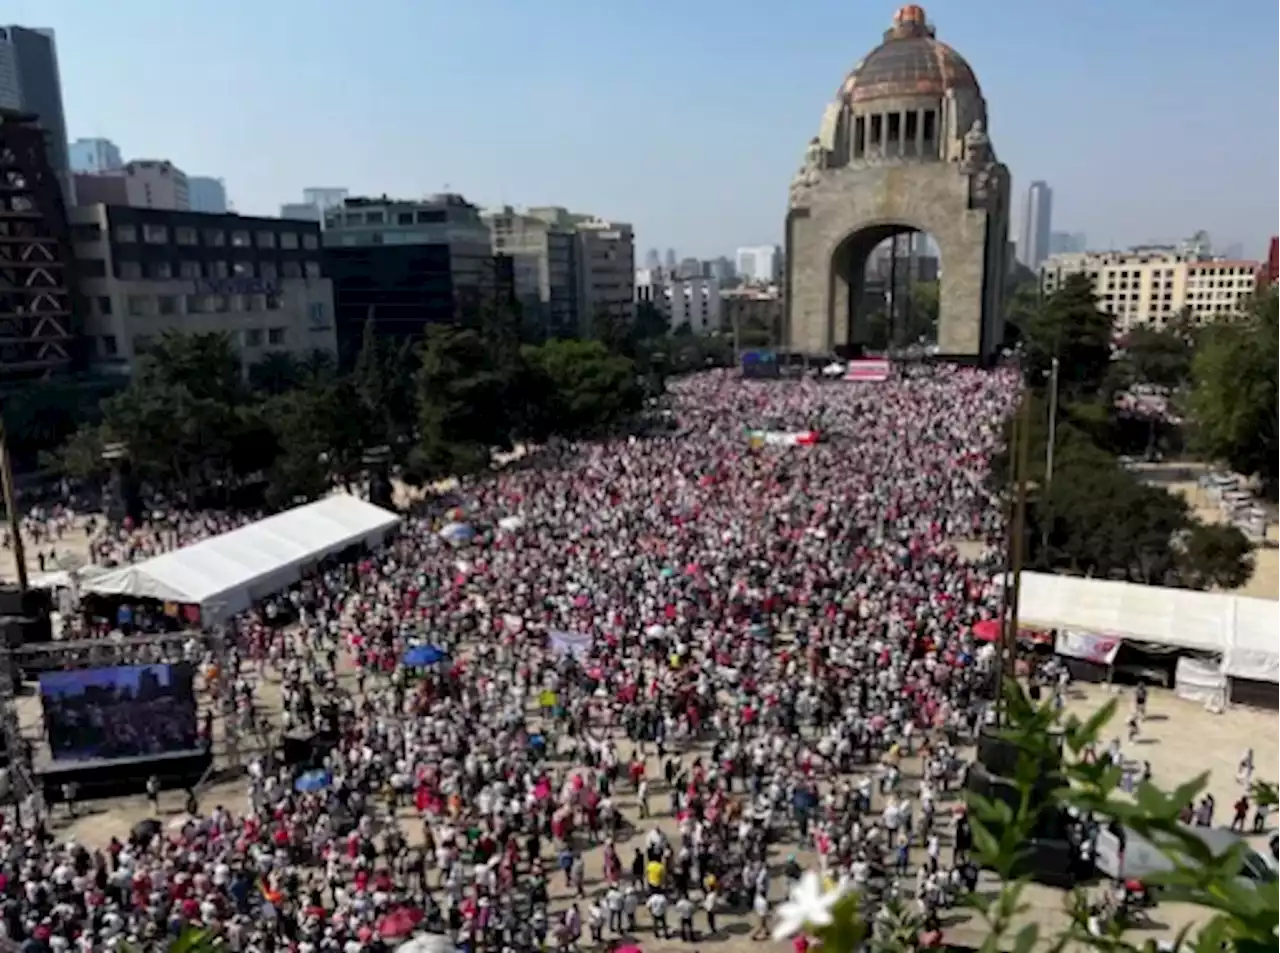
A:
199, 572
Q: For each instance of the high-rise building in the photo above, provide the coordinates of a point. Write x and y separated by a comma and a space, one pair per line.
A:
95, 156
652, 259
1037, 214
156, 183
407, 264
669, 260
30, 82
761, 264
207, 194
692, 302
547, 253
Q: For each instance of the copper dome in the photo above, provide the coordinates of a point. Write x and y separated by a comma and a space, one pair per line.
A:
910, 62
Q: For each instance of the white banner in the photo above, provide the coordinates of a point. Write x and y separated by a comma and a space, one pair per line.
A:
1100, 649
569, 643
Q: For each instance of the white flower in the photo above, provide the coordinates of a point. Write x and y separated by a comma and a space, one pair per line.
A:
808, 907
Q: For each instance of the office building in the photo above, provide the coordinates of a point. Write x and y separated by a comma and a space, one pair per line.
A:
652, 259
302, 211
207, 194
1037, 215
1148, 286
691, 302
761, 264
30, 82
605, 261
721, 269
95, 156
545, 262
669, 260
156, 183
407, 264
145, 271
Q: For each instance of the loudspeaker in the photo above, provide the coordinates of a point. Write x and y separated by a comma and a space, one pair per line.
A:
997, 755
995, 788
19, 630
1048, 861
11, 602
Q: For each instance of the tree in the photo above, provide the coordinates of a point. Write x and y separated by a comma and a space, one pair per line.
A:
1161, 358
276, 373
1234, 393
1215, 556
463, 404
578, 388
1070, 327
651, 321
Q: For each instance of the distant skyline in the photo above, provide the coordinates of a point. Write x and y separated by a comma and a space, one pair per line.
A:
686, 120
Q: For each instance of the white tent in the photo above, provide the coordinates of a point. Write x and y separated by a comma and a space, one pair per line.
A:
1240, 629
225, 574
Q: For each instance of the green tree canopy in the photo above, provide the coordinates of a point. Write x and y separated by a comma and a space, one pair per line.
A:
1215, 556
578, 387
1161, 358
1234, 393
1068, 325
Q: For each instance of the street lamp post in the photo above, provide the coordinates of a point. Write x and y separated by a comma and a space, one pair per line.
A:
1051, 445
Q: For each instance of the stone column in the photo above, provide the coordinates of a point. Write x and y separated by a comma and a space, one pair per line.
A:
920, 133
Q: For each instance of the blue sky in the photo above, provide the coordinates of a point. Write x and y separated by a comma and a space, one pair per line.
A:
1149, 118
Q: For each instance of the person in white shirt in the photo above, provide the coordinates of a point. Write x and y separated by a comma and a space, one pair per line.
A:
657, 904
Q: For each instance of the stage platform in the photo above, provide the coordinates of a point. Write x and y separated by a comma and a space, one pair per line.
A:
119, 777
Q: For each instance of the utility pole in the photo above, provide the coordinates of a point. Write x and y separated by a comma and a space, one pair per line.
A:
11, 508
1006, 583
1019, 534
1051, 446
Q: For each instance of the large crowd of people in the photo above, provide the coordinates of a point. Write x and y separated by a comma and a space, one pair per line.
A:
665, 674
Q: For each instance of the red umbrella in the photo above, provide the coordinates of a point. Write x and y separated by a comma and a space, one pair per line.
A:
988, 630
399, 922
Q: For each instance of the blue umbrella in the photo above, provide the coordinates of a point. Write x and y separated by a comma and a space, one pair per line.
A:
420, 656
312, 781
458, 532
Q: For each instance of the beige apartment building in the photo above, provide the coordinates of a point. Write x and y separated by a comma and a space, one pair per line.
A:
1148, 287
143, 272
545, 267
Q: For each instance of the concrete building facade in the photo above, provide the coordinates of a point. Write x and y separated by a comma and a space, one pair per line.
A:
1037, 218
156, 183
902, 148
95, 156
545, 261
694, 302
1150, 286
207, 194
30, 81
147, 271
605, 261
753, 315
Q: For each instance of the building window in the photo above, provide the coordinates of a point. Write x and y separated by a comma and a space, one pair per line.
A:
155, 234
128, 271
86, 233
189, 269
268, 271
218, 269
312, 269
288, 240
275, 336
375, 218
404, 218
253, 337
109, 347
290, 269
235, 303
430, 217
240, 240
310, 241
184, 235
198, 304
136, 305
167, 305
126, 234
266, 239
104, 305
316, 315
215, 238
272, 302
221, 304
161, 270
